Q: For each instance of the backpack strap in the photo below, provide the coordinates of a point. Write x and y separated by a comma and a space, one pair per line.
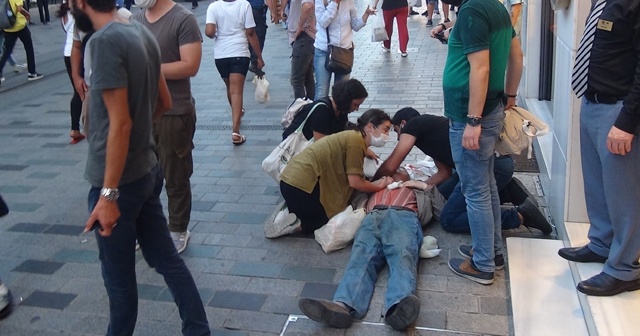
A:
299, 129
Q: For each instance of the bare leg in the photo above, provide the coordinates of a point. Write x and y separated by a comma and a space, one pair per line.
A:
235, 93
445, 11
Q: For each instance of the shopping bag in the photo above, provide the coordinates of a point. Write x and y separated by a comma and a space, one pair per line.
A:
378, 32
262, 89
340, 230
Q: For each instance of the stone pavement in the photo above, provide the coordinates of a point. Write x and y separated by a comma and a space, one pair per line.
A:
249, 284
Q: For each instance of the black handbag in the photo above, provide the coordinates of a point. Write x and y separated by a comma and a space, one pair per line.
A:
339, 60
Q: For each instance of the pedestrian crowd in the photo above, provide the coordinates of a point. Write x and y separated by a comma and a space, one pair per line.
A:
131, 79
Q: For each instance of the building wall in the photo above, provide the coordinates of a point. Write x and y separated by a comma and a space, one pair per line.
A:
559, 152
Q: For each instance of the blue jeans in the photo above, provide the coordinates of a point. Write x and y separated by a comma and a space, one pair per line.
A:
142, 218
391, 236
454, 216
10, 59
478, 185
323, 76
612, 192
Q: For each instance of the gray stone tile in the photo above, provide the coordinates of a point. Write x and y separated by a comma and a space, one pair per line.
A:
202, 206
281, 304
227, 240
243, 254
16, 189
256, 269
201, 251
7, 167
238, 300
275, 286
318, 290
304, 273
75, 255
23, 207
29, 227
149, 292
244, 218
49, 300
38, 267
478, 323
63, 229
227, 332
255, 321
495, 305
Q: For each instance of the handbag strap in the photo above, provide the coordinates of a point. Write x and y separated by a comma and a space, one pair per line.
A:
307, 117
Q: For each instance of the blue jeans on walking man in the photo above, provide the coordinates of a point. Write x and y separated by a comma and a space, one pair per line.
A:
386, 237
478, 185
142, 219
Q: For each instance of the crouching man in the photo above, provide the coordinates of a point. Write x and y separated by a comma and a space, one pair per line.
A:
390, 233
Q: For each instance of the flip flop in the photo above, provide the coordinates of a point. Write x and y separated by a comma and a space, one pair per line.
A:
76, 139
238, 142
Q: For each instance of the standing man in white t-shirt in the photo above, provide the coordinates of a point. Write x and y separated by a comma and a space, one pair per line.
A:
230, 23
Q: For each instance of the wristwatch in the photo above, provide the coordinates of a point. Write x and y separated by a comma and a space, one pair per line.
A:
473, 120
111, 194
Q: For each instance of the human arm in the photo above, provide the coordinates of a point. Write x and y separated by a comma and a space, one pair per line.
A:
253, 41
210, 30
399, 153
478, 86
415, 184
325, 13
76, 68
359, 183
440, 28
443, 173
515, 13
514, 73
163, 103
283, 5
120, 123
357, 22
24, 12
190, 42
273, 9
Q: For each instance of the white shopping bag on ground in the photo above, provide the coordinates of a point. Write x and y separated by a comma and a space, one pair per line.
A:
262, 89
340, 230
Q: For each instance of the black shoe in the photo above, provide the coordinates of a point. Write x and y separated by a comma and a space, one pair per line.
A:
429, 23
467, 252
194, 7
447, 20
404, 313
518, 193
581, 254
426, 13
412, 12
327, 312
605, 285
533, 217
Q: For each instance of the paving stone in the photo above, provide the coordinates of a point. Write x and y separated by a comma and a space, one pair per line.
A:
256, 269
243, 254
255, 321
238, 300
149, 292
495, 306
49, 300
75, 255
318, 290
478, 323
201, 251
38, 266
227, 240
7, 167
202, 206
304, 273
280, 304
29, 227
67, 230
16, 189
23, 206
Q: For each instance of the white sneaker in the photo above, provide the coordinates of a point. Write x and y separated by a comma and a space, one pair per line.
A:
385, 48
2, 79
19, 67
283, 224
137, 245
34, 76
6, 301
180, 240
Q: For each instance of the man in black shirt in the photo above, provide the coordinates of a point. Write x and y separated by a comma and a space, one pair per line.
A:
430, 133
608, 80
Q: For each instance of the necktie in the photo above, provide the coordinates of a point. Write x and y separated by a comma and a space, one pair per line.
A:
581, 65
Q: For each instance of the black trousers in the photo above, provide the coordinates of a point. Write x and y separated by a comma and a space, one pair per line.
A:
43, 10
76, 103
260, 17
10, 41
306, 207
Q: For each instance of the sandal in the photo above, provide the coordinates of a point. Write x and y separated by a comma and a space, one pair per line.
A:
77, 138
238, 142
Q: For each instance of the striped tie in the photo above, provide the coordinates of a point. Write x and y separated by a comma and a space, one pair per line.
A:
581, 65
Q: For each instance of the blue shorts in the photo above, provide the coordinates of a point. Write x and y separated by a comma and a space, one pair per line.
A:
227, 66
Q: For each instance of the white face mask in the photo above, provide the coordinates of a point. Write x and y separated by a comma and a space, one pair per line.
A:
145, 3
380, 140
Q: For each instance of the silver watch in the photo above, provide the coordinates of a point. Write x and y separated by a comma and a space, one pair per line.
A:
111, 194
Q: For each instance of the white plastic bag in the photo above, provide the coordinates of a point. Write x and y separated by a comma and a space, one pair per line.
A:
340, 230
378, 32
370, 166
262, 89
422, 169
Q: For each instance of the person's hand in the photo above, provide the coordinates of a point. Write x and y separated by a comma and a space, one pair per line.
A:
371, 155
370, 11
260, 64
383, 182
105, 212
81, 87
435, 30
417, 185
619, 141
511, 102
275, 17
471, 137
336, 1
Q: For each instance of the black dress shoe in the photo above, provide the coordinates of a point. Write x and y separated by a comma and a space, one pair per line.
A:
605, 285
581, 254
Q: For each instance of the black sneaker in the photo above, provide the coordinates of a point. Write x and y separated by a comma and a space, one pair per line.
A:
324, 311
467, 252
412, 12
404, 313
429, 23
533, 217
425, 13
518, 193
447, 20
34, 76
466, 269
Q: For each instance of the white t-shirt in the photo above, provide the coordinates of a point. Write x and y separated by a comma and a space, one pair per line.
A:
68, 28
231, 18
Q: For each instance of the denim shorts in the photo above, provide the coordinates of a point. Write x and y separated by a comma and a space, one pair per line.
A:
227, 66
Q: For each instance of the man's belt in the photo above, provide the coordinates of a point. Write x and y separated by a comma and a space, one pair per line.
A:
391, 207
602, 99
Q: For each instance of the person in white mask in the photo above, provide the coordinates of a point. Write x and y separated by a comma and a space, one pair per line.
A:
178, 35
318, 183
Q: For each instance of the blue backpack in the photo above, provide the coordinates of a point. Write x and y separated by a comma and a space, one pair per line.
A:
7, 16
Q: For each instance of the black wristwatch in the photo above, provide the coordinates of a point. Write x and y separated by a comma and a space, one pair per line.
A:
473, 120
